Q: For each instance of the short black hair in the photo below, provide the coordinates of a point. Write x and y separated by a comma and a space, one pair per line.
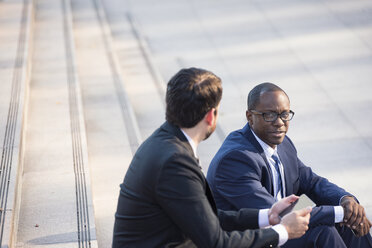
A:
191, 93
255, 94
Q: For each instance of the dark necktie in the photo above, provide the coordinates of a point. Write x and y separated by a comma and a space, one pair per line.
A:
280, 188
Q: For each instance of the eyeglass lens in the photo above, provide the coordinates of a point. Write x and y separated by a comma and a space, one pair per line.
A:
272, 116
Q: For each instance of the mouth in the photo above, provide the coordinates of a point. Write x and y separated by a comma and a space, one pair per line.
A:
278, 133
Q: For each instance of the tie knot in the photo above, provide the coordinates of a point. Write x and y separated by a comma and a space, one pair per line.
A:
276, 159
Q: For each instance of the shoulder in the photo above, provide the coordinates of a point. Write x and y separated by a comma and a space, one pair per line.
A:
288, 146
162, 150
175, 156
162, 145
237, 154
235, 145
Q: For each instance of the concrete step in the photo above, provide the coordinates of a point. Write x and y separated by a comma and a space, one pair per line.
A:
145, 85
16, 22
144, 88
112, 129
125, 53
57, 207
315, 53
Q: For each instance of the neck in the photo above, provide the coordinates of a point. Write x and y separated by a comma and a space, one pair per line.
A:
194, 134
261, 142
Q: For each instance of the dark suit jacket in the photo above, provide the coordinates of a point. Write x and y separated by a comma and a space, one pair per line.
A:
240, 176
165, 201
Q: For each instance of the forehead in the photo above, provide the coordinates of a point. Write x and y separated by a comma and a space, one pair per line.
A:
273, 100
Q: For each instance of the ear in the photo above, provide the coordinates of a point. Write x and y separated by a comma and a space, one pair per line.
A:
248, 115
210, 116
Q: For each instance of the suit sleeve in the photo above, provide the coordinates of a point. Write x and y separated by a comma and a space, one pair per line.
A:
181, 192
319, 189
324, 193
238, 179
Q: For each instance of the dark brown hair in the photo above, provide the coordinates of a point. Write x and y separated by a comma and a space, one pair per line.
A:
191, 93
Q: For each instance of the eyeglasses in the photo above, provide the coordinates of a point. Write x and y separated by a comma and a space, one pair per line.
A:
273, 116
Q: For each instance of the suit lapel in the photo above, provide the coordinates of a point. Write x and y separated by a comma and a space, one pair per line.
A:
178, 133
249, 135
287, 171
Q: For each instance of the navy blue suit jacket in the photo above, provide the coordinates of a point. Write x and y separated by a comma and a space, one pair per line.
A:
240, 176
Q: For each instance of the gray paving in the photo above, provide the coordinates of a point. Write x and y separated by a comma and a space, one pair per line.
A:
318, 51
14, 68
105, 108
56, 208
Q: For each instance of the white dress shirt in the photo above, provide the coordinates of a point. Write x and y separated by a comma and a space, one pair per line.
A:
269, 152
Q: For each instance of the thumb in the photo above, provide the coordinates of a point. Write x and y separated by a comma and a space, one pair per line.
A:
304, 211
291, 198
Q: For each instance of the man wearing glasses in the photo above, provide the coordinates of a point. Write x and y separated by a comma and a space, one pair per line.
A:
258, 165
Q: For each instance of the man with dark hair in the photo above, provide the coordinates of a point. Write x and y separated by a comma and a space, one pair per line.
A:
165, 200
258, 165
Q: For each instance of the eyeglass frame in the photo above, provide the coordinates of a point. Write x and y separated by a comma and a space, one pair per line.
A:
277, 115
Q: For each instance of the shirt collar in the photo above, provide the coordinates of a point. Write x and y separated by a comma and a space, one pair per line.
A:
192, 143
268, 150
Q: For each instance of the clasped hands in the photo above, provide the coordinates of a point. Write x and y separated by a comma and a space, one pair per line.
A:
355, 216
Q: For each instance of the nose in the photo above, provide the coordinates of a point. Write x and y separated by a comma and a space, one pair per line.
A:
278, 122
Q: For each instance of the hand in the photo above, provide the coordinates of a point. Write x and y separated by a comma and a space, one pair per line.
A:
363, 228
355, 216
297, 222
278, 207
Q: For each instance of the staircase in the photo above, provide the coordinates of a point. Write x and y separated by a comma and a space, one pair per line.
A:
79, 92
68, 129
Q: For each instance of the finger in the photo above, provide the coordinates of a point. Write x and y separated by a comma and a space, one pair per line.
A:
364, 229
348, 213
362, 221
347, 206
285, 202
369, 224
291, 198
351, 220
358, 217
359, 230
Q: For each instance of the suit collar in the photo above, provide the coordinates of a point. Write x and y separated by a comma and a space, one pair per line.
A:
268, 150
170, 128
248, 133
191, 142
176, 131
282, 154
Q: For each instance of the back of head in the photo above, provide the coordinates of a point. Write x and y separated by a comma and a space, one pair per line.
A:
255, 94
191, 93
